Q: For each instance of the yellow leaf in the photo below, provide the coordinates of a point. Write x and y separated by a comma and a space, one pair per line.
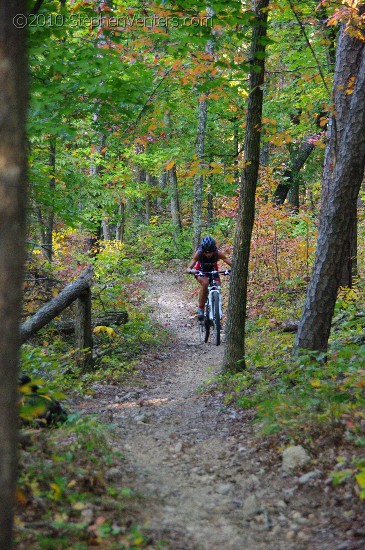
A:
21, 498
315, 383
170, 165
18, 522
56, 491
108, 330
360, 478
79, 506
60, 518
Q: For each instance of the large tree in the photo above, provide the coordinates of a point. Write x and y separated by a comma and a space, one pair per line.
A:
235, 348
342, 177
13, 98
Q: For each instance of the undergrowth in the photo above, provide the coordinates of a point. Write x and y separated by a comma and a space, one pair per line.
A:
65, 497
314, 399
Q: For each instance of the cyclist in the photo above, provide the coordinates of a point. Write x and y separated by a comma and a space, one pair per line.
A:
206, 259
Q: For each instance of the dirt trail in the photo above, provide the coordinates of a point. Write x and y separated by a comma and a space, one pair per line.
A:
208, 481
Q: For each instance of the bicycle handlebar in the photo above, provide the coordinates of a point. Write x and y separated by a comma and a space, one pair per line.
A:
210, 273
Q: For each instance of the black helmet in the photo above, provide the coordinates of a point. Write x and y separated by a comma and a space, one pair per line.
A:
208, 244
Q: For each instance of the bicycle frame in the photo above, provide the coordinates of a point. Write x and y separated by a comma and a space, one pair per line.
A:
213, 307
213, 288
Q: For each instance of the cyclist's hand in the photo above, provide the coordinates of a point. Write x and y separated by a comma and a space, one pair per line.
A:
191, 271
227, 272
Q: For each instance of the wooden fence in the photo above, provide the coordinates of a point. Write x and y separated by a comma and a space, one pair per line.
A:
78, 291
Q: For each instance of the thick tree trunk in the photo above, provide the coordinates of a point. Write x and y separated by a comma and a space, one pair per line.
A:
13, 99
342, 177
349, 268
235, 347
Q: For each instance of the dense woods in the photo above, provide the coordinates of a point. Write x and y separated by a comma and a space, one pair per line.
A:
150, 125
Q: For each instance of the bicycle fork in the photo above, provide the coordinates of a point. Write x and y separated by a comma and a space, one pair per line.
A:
212, 291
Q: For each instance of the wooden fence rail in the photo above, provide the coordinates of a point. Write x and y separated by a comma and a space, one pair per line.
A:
79, 291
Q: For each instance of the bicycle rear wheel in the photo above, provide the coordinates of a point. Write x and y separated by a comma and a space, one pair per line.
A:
206, 324
216, 319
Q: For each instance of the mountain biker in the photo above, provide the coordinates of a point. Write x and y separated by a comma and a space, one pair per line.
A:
206, 259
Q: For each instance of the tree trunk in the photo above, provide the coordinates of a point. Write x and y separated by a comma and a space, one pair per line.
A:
49, 221
13, 99
150, 183
200, 142
342, 177
174, 200
162, 184
83, 333
236, 149
297, 161
120, 229
139, 177
96, 170
293, 196
46, 218
199, 179
235, 347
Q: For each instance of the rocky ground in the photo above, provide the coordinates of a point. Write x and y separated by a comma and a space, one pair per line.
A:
208, 480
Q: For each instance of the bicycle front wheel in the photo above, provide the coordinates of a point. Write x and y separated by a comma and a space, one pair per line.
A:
216, 319
206, 324
201, 328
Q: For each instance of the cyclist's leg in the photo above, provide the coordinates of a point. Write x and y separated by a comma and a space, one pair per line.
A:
203, 293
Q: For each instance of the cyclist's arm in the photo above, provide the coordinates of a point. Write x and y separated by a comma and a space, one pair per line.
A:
222, 256
194, 259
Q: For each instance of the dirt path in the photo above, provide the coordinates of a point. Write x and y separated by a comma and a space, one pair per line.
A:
208, 482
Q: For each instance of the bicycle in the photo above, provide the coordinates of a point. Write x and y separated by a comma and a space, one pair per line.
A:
213, 308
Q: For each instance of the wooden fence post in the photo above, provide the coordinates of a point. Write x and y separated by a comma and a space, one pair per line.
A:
83, 332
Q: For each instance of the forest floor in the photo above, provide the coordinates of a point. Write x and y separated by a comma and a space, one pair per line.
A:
206, 478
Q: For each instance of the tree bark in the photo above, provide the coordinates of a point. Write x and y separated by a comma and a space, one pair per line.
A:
49, 311
49, 221
297, 161
342, 177
120, 229
235, 346
200, 142
83, 333
174, 200
199, 179
13, 101
46, 218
